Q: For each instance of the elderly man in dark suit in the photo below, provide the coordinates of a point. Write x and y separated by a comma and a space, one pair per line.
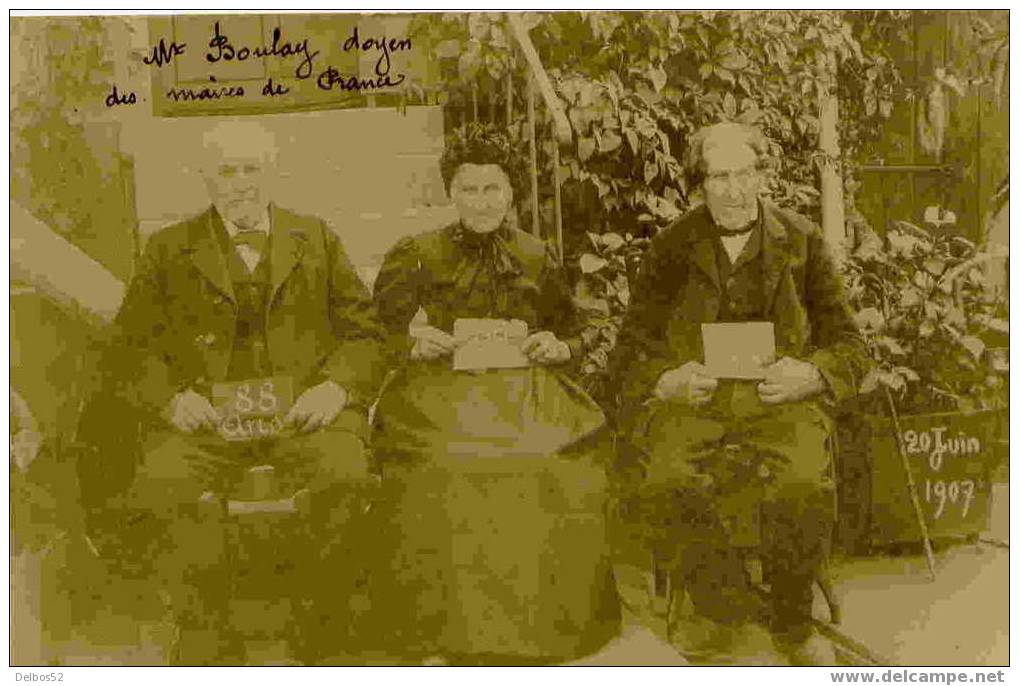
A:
262, 302
728, 462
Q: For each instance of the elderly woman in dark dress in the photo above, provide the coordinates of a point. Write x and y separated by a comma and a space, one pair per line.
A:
495, 496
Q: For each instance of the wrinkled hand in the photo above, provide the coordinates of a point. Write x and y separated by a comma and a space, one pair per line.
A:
690, 384
789, 380
317, 407
544, 348
431, 343
189, 412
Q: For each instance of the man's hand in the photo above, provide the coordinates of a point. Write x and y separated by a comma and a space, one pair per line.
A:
690, 384
431, 343
544, 348
317, 407
789, 380
189, 412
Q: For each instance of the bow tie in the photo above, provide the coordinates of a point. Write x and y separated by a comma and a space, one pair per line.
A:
253, 238
490, 249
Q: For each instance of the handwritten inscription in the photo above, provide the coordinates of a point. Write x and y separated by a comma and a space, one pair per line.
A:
222, 50
936, 444
272, 89
115, 98
213, 92
252, 409
383, 45
163, 53
943, 492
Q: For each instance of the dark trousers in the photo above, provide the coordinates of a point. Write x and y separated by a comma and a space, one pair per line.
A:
733, 480
308, 568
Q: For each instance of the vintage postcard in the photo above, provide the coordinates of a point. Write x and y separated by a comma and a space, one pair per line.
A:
494, 338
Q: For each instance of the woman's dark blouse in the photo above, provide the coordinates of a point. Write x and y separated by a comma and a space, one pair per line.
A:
454, 273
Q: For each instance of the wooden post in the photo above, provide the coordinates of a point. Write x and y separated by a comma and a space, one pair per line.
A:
509, 96
833, 217
533, 144
558, 206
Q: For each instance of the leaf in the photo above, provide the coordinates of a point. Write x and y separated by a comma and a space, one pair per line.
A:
729, 105
892, 380
658, 78
734, 59
870, 318
893, 346
650, 171
589, 264
909, 297
934, 266
631, 138
908, 373
610, 140
870, 381
974, 345
585, 148
612, 241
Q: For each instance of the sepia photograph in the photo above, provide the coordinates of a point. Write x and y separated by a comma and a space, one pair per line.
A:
673, 337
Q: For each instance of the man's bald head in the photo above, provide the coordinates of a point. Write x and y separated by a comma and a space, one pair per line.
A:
238, 163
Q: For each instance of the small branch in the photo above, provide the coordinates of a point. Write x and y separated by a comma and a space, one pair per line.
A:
911, 485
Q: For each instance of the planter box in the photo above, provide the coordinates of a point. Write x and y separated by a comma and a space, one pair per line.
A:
952, 457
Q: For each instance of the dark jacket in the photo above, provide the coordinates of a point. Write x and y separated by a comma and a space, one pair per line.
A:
678, 289
453, 273
176, 326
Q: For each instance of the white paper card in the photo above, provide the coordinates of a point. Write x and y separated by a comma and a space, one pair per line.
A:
738, 350
489, 344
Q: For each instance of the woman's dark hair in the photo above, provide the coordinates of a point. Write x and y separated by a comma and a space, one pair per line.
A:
751, 135
477, 143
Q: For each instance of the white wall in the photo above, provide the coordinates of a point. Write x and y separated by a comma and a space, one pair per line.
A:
373, 174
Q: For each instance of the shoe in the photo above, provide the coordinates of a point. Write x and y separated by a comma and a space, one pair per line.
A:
813, 651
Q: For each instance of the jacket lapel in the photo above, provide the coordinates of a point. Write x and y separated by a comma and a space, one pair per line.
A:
775, 253
207, 254
703, 249
286, 249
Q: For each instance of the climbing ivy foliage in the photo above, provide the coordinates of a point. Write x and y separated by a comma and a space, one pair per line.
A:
636, 85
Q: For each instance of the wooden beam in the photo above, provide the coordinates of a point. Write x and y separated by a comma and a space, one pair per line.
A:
560, 248
533, 145
833, 212
564, 134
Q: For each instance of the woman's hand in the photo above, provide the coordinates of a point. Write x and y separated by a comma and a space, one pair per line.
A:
544, 348
431, 343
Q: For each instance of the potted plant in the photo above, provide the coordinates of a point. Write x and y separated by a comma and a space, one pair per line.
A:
919, 443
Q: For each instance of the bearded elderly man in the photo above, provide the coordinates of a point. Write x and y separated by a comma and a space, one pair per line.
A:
731, 463
246, 321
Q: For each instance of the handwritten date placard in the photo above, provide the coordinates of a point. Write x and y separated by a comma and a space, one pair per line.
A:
253, 409
952, 457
